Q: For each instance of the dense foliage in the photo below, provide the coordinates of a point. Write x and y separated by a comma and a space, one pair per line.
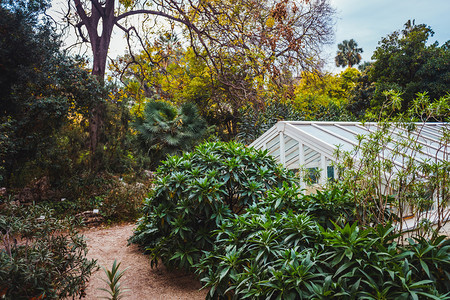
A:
195, 192
314, 97
277, 250
165, 130
41, 257
46, 101
40, 89
406, 61
253, 123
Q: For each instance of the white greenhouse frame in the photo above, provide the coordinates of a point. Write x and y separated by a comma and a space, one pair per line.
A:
303, 145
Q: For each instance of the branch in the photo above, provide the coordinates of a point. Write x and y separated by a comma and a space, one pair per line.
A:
79, 7
187, 23
80, 32
152, 12
133, 58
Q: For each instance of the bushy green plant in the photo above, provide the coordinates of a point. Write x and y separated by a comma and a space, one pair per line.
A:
195, 192
123, 202
275, 253
41, 256
117, 198
332, 205
259, 255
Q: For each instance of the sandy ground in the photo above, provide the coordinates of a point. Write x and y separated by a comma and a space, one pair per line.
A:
143, 282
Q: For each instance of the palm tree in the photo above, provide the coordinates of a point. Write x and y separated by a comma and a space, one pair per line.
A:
348, 54
165, 129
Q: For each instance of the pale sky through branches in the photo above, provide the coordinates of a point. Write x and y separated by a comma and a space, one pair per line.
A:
365, 21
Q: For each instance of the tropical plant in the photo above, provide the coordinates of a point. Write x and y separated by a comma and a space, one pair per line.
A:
194, 193
277, 253
113, 281
165, 130
40, 256
348, 54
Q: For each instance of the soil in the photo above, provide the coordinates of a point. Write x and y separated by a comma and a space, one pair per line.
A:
143, 282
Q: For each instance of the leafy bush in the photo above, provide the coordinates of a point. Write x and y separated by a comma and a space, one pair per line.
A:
329, 206
117, 198
195, 192
124, 201
276, 253
332, 205
254, 254
41, 256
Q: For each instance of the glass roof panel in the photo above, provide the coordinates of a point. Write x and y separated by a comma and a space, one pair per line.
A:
325, 136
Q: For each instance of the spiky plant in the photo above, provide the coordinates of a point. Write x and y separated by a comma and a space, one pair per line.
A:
165, 130
113, 277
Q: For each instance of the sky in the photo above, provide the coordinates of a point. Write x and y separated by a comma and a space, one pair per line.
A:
367, 21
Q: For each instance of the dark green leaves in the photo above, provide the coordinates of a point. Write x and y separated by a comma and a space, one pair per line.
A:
164, 129
195, 193
286, 255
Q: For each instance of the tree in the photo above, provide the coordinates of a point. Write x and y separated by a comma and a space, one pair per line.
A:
260, 35
165, 130
348, 54
404, 62
315, 94
39, 87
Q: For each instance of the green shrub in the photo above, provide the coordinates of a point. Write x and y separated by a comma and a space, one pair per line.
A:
118, 199
272, 252
195, 192
41, 256
123, 202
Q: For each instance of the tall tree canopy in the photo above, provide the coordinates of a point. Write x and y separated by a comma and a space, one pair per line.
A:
348, 54
404, 62
268, 32
242, 42
39, 85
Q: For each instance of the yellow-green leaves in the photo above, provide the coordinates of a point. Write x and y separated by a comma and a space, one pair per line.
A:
127, 3
270, 22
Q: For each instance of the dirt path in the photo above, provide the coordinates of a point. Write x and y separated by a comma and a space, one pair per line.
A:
107, 244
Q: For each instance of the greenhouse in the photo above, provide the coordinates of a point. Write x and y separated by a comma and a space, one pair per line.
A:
312, 145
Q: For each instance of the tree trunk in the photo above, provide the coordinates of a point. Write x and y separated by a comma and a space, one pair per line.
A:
100, 45
96, 117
